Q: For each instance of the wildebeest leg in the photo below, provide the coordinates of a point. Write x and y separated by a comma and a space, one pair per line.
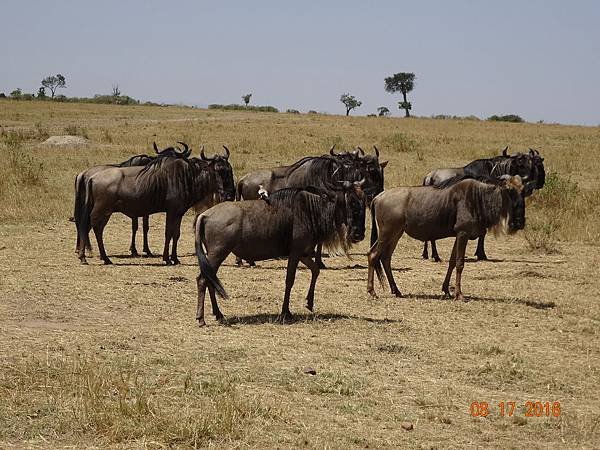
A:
314, 271
373, 258
461, 246
168, 235
215, 306
175, 234
98, 226
134, 228
319, 256
201, 283
145, 228
386, 261
434, 252
425, 253
451, 265
286, 315
480, 252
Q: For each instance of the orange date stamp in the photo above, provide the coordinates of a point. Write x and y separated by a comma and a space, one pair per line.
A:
507, 409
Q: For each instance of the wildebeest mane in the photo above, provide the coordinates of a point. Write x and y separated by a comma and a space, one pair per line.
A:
315, 209
180, 175
484, 202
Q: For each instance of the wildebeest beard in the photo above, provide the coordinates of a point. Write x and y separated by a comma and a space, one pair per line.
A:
320, 212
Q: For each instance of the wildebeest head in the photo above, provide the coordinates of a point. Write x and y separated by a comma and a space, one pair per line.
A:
372, 171
354, 207
220, 164
513, 202
539, 173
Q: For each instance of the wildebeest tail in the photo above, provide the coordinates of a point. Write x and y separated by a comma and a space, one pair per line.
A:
80, 196
374, 237
83, 218
206, 269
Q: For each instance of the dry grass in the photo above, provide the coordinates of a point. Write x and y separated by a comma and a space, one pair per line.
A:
110, 356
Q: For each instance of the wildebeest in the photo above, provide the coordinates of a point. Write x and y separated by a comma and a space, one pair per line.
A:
319, 171
529, 166
169, 184
137, 160
464, 209
289, 224
324, 172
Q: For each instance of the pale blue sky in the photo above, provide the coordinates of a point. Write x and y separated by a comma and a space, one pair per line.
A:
538, 59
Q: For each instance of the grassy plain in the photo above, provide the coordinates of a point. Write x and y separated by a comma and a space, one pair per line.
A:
110, 356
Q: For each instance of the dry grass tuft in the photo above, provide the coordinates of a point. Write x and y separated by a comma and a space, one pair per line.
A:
81, 396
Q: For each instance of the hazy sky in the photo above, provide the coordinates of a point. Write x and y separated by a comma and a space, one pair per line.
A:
538, 59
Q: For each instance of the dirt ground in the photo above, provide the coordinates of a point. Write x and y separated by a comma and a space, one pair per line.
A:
110, 356
529, 333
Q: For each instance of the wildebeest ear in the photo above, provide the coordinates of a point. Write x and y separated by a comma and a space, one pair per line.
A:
383, 164
505, 151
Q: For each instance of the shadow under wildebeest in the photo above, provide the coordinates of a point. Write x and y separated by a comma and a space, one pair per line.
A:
265, 318
476, 298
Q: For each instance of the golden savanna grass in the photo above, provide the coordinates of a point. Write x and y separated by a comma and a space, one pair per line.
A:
111, 357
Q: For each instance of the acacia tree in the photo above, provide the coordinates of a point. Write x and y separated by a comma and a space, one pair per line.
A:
383, 111
401, 82
246, 99
54, 82
350, 102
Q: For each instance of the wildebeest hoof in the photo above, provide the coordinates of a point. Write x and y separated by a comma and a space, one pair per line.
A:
175, 261
107, 262
372, 293
461, 298
285, 318
148, 253
309, 306
321, 265
397, 293
168, 262
201, 322
481, 257
437, 259
134, 253
83, 262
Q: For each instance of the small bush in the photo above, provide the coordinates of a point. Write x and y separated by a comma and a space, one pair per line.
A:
234, 107
74, 130
312, 111
542, 236
400, 142
506, 118
292, 111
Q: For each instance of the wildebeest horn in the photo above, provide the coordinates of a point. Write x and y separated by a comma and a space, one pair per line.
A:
362, 152
376, 151
331, 152
186, 152
505, 151
355, 152
227, 153
359, 183
156, 148
202, 155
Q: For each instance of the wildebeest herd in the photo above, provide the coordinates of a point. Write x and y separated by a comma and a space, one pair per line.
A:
297, 210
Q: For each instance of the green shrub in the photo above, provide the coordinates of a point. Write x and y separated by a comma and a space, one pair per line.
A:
74, 130
234, 107
506, 118
400, 142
